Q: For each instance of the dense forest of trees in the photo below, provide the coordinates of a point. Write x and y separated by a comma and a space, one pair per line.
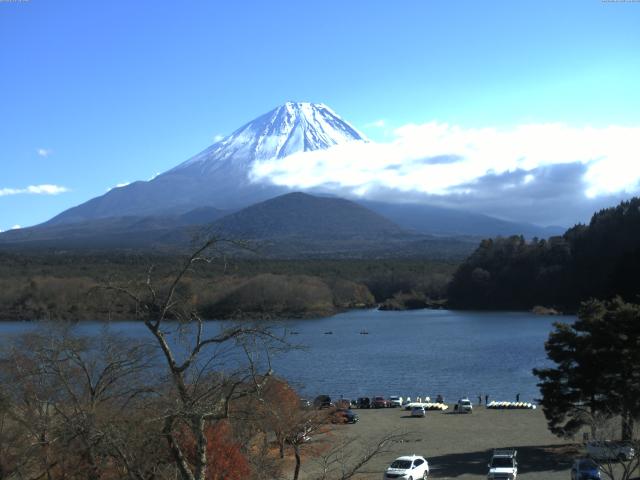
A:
598, 260
34, 287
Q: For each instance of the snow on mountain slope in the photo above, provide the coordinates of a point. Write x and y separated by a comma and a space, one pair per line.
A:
219, 176
290, 128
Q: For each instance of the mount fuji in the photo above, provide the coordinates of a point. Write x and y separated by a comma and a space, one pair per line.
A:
215, 187
219, 176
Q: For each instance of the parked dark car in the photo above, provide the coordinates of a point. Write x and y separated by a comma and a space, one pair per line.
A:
364, 402
322, 401
380, 402
343, 403
344, 415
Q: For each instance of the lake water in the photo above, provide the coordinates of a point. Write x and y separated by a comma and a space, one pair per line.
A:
415, 353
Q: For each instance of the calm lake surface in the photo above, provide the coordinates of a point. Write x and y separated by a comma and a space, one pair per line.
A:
414, 353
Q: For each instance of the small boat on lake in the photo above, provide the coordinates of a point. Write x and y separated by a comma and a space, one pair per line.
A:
328, 333
364, 332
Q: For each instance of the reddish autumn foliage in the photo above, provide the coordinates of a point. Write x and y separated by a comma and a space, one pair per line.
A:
280, 399
226, 460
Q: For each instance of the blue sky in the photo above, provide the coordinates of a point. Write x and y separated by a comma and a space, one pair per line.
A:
94, 94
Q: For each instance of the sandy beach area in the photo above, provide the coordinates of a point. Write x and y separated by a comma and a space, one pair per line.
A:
459, 446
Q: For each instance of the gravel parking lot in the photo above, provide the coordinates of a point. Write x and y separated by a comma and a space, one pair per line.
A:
459, 446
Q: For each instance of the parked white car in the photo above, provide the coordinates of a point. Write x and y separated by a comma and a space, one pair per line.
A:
503, 465
418, 411
464, 405
412, 467
610, 450
395, 401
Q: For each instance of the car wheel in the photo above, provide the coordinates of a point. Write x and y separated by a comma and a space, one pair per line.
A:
410, 478
424, 476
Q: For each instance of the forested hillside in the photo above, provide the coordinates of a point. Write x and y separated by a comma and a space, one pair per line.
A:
70, 286
598, 260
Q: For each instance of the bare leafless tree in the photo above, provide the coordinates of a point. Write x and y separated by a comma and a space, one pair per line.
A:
71, 401
348, 455
205, 370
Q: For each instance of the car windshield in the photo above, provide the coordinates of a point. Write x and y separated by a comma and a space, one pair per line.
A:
404, 464
587, 465
465, 402
501, 462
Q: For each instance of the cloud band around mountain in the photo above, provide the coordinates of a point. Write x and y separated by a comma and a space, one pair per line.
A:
457, 166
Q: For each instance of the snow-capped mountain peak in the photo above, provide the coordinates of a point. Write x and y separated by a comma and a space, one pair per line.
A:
220, 176
290, 128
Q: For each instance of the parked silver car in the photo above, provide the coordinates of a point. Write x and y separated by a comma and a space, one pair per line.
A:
418, 411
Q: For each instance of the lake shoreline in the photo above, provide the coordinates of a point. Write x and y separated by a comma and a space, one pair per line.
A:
434, 349
296, 315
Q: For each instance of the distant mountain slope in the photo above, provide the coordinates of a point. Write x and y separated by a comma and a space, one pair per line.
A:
127, 232
430, 219
299, 225
302, 215
295, 225
162, 196
219, 175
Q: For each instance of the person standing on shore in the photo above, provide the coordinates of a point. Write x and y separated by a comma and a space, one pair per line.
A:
479, 400
486, 400
517, 397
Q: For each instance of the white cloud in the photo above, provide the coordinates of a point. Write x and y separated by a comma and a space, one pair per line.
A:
218, 137
441, 159
376, 124
44, 152
44, 189
16, 227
